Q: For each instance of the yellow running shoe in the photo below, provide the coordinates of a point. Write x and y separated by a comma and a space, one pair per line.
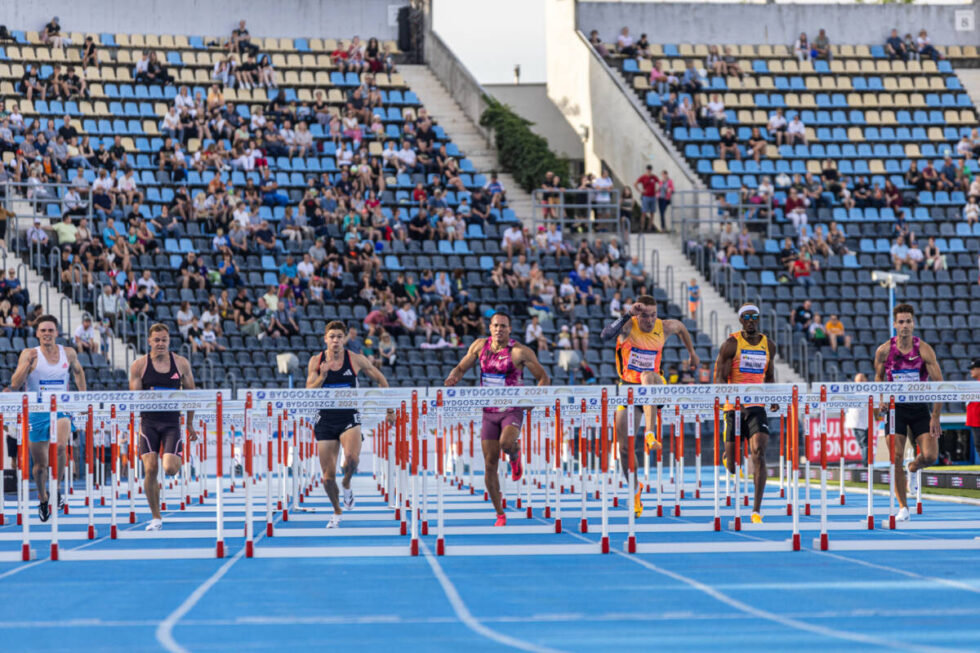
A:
756, 518
638, 503
651, 441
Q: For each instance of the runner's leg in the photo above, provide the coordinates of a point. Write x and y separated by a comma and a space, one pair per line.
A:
928, 452
39, 452
757, 445
900, 489
327, 450
491, 455
350, 440
150, 483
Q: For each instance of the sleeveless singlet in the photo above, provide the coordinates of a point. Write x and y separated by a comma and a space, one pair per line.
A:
750, 362
905, 367
342, 378
169, 380
639, 352
498, 369
48, 377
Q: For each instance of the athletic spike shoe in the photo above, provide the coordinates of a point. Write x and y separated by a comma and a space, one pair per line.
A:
638, 504
516, 468
155, 525
334, 521
903, 515
348, 498
43, 511
756, 518
61, 502
501, 520
652, 443
913, 482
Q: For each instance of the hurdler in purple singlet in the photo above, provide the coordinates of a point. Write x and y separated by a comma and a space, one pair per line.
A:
498, 369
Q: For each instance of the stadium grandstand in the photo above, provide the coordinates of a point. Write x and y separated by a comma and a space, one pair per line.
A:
298, 298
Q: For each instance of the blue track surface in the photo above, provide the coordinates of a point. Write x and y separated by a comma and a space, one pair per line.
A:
807, 600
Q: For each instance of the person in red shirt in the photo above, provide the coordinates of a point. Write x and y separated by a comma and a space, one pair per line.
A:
801, 270
973, 410
647, 184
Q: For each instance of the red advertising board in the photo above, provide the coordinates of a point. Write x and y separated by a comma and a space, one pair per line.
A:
852, 451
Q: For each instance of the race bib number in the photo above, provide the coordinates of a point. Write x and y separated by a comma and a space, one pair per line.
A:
642, 360
491, 379
752, 362
906, 376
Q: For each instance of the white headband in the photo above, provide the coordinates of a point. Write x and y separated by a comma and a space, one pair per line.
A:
748, 308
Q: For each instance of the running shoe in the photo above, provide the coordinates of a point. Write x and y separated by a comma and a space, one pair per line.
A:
653, 444
516, 468
913, 482
756, 518
334, 521
61, 502
638, 503
43, 511
348, 498
501, 520
155, 525
903, 515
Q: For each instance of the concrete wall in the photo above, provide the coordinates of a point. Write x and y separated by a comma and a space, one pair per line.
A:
588, 95
531, 102
310, 18
462, 86
670, 22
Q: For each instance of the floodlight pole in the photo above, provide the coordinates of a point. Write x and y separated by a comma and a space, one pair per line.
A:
890, 280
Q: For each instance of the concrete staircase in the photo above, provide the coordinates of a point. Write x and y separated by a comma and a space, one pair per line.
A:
69, 314
970, 78
671, 255
463, 132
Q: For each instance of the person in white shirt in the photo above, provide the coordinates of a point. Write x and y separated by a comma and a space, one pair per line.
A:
407, 160
390, 154
183, 100
513, 241
142, 67
856, 420
345, 155
796, 132
126, 188
258, 121
602, 184
580, 337
84, 336
616, 306
716, 110
407, 317
305, 268
777, 126
534, 336
171, 124
147, 281
971, 212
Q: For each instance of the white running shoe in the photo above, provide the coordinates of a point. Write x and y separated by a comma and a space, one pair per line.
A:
334, 521
903, 515
913, 482
155, 525
348, 499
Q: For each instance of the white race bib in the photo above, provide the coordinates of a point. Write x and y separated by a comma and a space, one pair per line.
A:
906, 376
492, 379
752, 361
642, 360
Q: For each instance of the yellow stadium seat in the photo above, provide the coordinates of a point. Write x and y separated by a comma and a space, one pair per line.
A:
883, 67
719, 166
813, 83
330, 45
95, 90
808, 100
656, 50
876, 166
855, 134
316, 45
862, 51
646, 65
700, 50
730, 99
766, 83
122, 75
898, 83
150, 128
306, 78
685, 50
85, 106
734, 83
791, 67
780, 50
759, 117
888, 117
846, 51
744, 116
101, 109
937, 84
108, 74
929, 67
304, 95
867, 67
397, 80
765, 51
899, 68
641, 83
202, 76
935, 134
6, 88
235, 95
33, 37
167, 41
308, 60
885, 100
42, 54
137, 41
746, 50
58, 54
791, 100
291, 78
186, 76
74, 55
811, 134
259, 95
813, 167
180, 41
970, 51
286, 44
322, 78
917, 100
837, 67
293, 60
776, 67
844, 84
872, 117
279, 61
323, 61
374, 148
900, 100
828, 83
951, 116
852, 67
854, 100
746, 100
806, 68
122, 40
152, 41
13, 52
27, 107
967, 117
160, 108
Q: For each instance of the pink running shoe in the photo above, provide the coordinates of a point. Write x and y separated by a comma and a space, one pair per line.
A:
501, 520
516, 468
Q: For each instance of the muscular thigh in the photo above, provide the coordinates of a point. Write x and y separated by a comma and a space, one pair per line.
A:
491, 451
351, 441
758, 442
327, 450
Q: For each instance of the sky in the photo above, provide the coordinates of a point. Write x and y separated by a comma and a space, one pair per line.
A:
476, 36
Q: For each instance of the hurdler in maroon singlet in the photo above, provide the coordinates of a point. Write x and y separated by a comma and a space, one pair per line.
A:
498, 369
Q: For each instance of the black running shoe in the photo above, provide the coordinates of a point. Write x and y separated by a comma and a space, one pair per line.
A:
43, 511
61, 502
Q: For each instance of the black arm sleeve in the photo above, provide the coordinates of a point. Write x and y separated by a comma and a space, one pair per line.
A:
613, 329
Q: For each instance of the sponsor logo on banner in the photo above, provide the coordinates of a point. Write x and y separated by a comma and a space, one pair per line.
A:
852, 450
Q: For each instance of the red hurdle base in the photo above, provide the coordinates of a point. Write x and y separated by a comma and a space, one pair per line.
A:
631, 544
112, 532
558, 525
717, 523
605, 544
220, 550
249, 549
796, 541
824, 542
91, 532
583, 526
871, 522
440, 547
25, 552
54, 551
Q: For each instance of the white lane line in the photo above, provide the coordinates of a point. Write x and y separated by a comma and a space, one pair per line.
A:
464, 614
48, 559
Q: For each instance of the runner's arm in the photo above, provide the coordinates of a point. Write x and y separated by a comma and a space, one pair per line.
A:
76, 368
622, 326
525, 356
187, 383
935, 373
314, 378
362, 364
723, 364
469, 360
136, 374
771, 367
677, 327
25, 364
881, 356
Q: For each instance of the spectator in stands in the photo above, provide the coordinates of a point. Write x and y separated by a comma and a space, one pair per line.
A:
513, 241
534, 336
947, 175
916, 257
624, 43
90, 53
930, 178
714, 111
796, 131
692, 81
496, 191
836, 333
934, 258
713, 63
801, 48
971, 212
192, 273
756, 145
895, 47
801, 269
803, 316
51, 35
925, 47
241, 40
745, 246
729, 145
914, 178
109, 304
817, 331
596, 42
665, 194
635, 274
647, 184
732, 66
30, 84
83, 338
821, 46
777, 126
900, 254
795, 209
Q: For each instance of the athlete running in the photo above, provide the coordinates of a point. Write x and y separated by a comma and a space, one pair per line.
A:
161, 369
746, 357
906, 358
45, 369
640, 338
337, 367
502, 360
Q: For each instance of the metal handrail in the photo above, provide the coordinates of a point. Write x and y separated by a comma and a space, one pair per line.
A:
669, 276
713, 325
64, 314
655, 266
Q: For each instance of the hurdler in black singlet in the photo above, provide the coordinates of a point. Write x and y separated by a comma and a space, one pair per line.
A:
332, 423
161, 427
